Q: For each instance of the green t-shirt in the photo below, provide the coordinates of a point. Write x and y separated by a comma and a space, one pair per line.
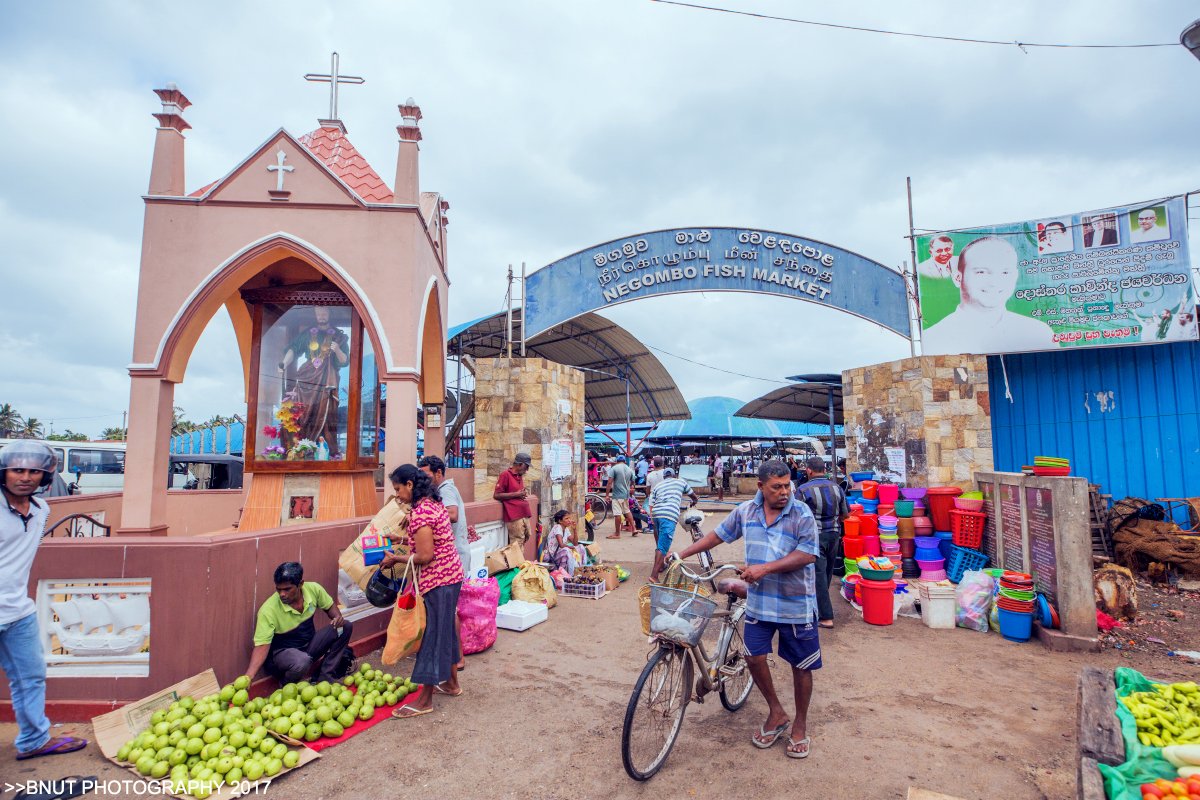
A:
277, 617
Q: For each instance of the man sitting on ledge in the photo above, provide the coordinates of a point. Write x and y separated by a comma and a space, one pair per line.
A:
286, 639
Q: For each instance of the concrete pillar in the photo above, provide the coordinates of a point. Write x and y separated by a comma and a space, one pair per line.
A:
408, 178
166, 171
147, 458
400, 426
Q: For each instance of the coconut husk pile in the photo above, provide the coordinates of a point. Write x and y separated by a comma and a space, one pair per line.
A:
1138, 542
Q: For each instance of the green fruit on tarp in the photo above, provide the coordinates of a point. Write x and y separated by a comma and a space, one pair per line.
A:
291, 759
281, 725
365, 668
276, 697
312, 732
278, 750
238, 739
366, 713
253, 771
390, 699
176, 737
297, 731
348, 680
160, 769
323, 714
289, 707
226, 693
196, 731
233, 777
290, 691
240, 697
297, 717
402, 693
346, 697
333, 729
165, 753
178, 758
308, 693
214, 720
228, 751
178, 713
255, 719
255, 739
267, 745
193, 746
323, 688
187, 703
223, 765
244, 753
211, 735
238, 761
201, 791
310, 717
161, 729
123, 753
242, 683
161, 742
273, 767
157, 717
346, 719
205, 775
336, 708
144, 764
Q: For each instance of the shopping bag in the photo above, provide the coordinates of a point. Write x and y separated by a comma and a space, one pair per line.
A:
405, 630
507, 557
505, 579
478, 600
390, 521
533, 584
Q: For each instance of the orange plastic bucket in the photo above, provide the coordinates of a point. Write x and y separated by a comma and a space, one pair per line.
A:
851, 525
870, 489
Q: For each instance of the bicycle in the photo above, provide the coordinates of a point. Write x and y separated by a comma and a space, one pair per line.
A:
596, 504
656, 708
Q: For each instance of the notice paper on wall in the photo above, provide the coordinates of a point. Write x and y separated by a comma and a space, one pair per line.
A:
895, 459
563, 453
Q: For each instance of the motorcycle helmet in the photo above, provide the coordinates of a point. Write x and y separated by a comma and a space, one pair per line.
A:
29, 455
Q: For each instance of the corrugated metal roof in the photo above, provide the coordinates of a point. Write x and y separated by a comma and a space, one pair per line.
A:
592, 342
713, 418
1128, 418
800, 402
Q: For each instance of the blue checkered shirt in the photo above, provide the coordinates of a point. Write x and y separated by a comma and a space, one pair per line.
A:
786, 596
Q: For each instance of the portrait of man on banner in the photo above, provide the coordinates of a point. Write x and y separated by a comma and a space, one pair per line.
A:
986, 277
1100, 230
1149, 225
1055, 236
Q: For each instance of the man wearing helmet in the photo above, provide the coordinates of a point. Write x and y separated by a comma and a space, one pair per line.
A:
25, 467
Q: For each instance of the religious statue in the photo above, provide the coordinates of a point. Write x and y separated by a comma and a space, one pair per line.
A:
312, 403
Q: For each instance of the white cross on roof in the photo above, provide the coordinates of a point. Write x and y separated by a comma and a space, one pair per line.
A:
333, 79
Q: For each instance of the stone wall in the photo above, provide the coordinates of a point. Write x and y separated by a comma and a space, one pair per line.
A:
517, 411
934, 407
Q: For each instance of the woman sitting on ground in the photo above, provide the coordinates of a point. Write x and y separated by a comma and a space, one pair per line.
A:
562, 547
430, 538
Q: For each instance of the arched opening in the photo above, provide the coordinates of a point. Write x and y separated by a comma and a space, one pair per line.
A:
431, 384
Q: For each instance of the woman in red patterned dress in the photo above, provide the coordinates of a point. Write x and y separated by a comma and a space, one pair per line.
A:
440, 576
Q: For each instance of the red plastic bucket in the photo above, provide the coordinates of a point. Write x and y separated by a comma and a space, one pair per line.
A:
868, 524
870, 545
877, 603
852, 546
940, 500
888, 493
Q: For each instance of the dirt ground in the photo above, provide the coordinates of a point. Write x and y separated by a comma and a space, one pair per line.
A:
964, 713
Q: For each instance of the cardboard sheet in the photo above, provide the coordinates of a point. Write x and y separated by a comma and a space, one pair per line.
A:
116, 728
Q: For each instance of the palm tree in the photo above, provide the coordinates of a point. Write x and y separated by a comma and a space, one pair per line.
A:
10, 420
32, 429
179, 424
113, 434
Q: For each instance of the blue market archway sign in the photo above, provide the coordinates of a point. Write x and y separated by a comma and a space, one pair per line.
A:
714, 260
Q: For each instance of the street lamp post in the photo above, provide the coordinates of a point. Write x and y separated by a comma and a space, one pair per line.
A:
1190, 38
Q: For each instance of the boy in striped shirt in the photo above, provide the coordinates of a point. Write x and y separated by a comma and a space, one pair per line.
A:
665, 503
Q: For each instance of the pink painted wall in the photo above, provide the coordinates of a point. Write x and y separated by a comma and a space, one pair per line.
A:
197, 512
108, 502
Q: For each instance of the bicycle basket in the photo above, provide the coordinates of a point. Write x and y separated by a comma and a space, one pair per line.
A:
679, 615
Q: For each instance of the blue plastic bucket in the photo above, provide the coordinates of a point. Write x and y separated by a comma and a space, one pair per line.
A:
1014, 626
928, 554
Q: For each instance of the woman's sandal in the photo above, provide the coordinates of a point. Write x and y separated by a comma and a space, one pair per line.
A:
437, 689
56, 746
416, 712
794, 754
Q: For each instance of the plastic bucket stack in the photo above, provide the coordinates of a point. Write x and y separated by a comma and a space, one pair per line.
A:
1015, 602
868, 524
888, 493
939, 501
870, 545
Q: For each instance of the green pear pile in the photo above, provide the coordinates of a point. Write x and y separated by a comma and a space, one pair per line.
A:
225, 738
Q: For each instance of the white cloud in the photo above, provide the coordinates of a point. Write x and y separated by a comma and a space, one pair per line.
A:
551, 127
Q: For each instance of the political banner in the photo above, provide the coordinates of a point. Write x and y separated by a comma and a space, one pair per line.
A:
1117, 276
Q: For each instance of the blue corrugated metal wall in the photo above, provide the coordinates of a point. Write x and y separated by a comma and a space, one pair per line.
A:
1127, 417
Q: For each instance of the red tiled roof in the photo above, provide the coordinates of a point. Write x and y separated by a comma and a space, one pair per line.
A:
332, 147
200, 192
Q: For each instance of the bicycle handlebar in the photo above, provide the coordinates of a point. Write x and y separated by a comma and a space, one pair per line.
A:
694, 576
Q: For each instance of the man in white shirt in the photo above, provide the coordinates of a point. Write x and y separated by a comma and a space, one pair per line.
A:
655, 477
643, 468
941, 262
1148, 229
24, 468
986, 278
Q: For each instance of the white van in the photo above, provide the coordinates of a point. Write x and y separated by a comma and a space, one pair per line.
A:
94, 466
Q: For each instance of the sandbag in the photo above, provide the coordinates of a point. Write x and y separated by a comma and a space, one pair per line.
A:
390, 521
406, 628
533, 584
973, 600
478, 600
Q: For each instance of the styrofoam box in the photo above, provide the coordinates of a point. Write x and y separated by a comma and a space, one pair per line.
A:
517, 615
478, 566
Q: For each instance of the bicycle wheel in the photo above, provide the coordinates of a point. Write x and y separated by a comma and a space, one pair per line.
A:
736, 688
655, 712
599, 509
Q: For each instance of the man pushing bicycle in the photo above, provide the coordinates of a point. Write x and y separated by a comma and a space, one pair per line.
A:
782, 546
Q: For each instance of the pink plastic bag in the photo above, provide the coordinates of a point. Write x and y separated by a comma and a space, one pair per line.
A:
559, 576
477, 603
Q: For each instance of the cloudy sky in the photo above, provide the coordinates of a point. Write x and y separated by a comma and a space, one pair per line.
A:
553, 126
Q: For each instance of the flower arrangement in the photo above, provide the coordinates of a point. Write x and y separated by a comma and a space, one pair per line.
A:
303, 450
289, 413
273, 453
271, 430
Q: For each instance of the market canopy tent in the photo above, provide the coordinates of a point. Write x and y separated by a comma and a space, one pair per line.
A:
814, 399
588, 342
716, 418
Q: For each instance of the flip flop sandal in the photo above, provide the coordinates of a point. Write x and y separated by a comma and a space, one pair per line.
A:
613, 536
77, 786
769, 738
826, 624
439, 690
416, 712
792, 753
66, 744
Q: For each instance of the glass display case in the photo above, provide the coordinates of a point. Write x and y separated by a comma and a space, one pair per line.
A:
308, 383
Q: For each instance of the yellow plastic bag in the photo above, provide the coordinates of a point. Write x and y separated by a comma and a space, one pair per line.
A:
533, 584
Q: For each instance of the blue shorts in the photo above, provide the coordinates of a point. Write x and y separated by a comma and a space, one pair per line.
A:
799, 645
664, 530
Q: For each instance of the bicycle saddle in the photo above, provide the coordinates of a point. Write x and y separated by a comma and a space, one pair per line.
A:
733, 586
